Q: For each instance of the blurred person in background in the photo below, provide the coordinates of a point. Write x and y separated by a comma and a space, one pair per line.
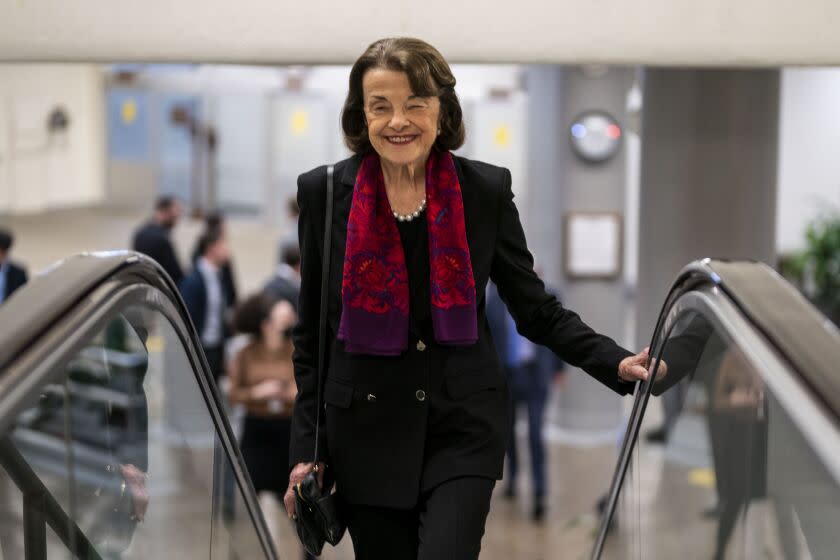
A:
12, 275
204, 295
262, 380
153, 238
290, 237
738, 404
530, 370
285, 283
217, 220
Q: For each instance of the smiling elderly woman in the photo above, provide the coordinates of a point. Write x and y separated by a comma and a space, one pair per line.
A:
416, 406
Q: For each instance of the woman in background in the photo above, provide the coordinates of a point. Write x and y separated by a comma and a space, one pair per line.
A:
262, 379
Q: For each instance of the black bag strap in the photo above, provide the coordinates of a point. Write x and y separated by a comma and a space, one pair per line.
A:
322, 324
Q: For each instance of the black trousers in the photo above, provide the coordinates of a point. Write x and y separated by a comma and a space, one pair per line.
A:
216, 360
447, 524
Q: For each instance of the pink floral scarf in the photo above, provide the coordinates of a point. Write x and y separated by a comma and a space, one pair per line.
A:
375, 297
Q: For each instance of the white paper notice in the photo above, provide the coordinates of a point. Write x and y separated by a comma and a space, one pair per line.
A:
593, 245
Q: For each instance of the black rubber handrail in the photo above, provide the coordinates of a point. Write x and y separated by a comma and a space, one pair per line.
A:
34, 308
807, 340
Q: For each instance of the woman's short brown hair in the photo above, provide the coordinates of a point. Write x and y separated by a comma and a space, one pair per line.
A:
252, 313
429, 76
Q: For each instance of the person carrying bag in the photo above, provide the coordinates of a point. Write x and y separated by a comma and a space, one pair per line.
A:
316, 512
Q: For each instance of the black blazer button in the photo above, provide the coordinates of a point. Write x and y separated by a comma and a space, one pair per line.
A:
421, 395
371, 397
421, 345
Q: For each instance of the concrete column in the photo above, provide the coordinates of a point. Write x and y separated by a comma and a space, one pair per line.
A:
709, 151
560, 182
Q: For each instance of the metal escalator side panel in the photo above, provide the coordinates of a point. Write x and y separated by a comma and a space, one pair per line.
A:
189, 445
39, 503
751, 394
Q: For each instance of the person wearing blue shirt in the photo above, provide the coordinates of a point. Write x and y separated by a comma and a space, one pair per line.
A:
206, 300
530, 369
12, 276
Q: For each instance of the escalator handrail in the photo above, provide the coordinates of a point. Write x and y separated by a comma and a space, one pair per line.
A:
58, 291
31, 310
804, 340
808, 341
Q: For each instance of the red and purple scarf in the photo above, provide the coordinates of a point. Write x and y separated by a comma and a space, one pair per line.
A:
375, 308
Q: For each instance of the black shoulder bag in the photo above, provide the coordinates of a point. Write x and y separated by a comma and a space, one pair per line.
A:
317, 519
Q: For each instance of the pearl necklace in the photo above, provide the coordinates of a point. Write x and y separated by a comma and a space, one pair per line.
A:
413, 215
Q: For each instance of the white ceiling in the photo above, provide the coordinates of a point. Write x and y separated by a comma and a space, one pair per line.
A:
661, 32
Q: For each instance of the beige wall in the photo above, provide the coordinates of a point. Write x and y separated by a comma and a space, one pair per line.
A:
666, 32
39, 171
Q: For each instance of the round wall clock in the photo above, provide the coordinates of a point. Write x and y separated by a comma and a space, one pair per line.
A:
595, 136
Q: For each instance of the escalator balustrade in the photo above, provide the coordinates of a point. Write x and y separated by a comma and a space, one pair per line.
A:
119, 446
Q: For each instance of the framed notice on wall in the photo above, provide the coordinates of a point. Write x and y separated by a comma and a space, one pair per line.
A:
593, 245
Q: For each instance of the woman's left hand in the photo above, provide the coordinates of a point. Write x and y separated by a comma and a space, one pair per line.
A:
634, 368
135, 480
296, 476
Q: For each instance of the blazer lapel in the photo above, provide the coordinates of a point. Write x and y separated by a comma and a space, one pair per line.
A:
347, 175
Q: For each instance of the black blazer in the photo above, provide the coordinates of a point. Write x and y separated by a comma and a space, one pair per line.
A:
194, 292
153, 240
546, 361
394, 426
228, 281
15, 279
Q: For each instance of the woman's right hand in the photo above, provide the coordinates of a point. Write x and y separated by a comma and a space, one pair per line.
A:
296, 477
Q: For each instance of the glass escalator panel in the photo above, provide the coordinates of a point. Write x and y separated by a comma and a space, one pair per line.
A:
742, 473
122, 437
233, 530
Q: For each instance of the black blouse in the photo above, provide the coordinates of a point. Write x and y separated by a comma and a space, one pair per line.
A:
415, 241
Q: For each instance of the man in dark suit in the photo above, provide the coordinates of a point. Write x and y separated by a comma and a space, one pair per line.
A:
152, 239
214, 221
530, 370
204, 295
12, 276
285, 284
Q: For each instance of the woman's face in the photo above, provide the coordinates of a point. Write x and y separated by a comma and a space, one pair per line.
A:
282, 317
402, 127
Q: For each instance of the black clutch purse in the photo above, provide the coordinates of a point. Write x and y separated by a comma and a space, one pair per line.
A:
317, 518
